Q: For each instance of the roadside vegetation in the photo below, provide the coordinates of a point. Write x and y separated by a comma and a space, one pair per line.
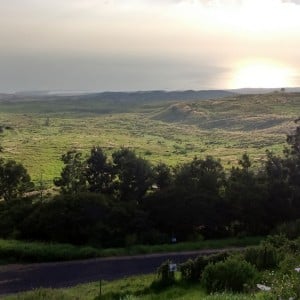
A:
268, 271
13, 251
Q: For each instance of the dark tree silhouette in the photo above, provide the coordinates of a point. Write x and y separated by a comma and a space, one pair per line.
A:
99, 172
14, 180
134, 175
72, 179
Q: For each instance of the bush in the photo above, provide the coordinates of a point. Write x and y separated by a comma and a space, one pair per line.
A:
192, 270
233, 274
285, 286
277, 241
263, 257
166, 277
289, 263
214, 258
12, 216
290, 229
79, 220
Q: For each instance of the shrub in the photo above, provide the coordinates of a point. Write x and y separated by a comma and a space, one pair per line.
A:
186, 270
166, 277
233, 274
283, 244
214, 258
278, 241
290, 229
12, 215
71, 219
285, 286
289, 263
192, 270
263, 257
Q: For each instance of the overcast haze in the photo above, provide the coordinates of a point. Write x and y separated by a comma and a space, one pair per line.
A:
94, 45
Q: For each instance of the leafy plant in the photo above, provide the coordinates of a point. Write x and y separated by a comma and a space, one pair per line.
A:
166, 276
262, 257
233, 274
192, 270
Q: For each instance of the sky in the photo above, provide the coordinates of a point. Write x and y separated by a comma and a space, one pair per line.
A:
122, 45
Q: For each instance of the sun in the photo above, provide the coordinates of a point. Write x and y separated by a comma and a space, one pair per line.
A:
261, 75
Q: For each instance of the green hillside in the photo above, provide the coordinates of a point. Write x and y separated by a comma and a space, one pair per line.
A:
271, 113
36, 131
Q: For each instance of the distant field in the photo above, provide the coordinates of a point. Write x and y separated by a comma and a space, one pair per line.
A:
172, 132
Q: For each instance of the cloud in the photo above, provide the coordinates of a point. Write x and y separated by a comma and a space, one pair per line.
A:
219, 2
291, 1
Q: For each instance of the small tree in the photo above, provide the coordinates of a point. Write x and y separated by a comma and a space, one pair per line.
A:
14, 180
292, 163
134, 174
201, 175
162, 175
72, 179
99, 172
246, 194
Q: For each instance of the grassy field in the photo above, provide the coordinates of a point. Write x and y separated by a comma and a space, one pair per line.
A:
37, 133
12, 251
41, 131
134, 288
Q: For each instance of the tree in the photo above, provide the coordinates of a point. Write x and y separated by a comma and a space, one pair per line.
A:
246, 195
192, 202
283, 182
99, 172
201, 175
14, 180
279, 204
292, 163
162, 176
134, 175
72, 179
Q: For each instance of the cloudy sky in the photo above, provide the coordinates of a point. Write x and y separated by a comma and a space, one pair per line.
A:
97, 45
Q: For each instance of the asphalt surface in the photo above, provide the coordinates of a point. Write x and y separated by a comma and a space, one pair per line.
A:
18, 278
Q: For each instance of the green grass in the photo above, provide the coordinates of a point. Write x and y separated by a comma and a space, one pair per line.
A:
18, 251
43, 130
133, 288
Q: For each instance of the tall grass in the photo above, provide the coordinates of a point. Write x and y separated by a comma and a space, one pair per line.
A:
18, 251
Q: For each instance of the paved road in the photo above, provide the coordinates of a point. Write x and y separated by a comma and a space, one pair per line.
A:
17, 278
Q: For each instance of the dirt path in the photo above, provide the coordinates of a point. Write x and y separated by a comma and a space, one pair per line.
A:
17, 278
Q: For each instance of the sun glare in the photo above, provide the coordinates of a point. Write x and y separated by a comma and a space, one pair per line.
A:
261, 75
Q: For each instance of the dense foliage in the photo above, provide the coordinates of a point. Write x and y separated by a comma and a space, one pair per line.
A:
123, 200
229, 275
268, 271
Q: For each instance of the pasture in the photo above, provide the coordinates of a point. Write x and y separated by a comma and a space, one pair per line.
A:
41, 130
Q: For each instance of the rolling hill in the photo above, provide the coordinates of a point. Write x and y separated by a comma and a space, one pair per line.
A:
39, 129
